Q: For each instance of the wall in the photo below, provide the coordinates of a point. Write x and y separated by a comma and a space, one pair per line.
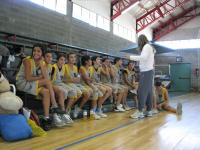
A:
189, 56
190, 30
25, 18
148, 32
128, 21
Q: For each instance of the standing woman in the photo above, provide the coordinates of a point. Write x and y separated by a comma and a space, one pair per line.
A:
146, 65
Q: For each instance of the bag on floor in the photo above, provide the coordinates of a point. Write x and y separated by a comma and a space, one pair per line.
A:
14, 127
37, 131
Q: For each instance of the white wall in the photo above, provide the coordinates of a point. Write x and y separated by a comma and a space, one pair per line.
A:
128, 21
148, 32
190, 30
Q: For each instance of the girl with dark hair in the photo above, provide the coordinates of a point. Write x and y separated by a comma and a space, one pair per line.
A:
117, 81
145, 89
60, 81
73, 80
32, 79
106, 90
60, 91
107, 73
129, 80
87, 82
162, 99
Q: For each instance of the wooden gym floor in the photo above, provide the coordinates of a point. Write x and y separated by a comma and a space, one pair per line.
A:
164, 131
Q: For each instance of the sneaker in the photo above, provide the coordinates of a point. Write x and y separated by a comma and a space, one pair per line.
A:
127, 108
148, 113
155, 111
119, 108
137, 115
94, 116
179, 109
102, 115
57, 121
57, 110
77, 110
45, 124
66, 119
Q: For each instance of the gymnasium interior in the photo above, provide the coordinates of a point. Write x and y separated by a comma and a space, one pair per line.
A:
107, 29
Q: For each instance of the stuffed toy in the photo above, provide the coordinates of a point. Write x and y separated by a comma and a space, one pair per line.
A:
9, 102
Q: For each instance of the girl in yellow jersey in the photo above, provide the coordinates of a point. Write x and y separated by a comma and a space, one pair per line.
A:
59, 80
106, 73
88, 83
129, 80
95, 71
73, 80
31, 79
62, 93
117, 81
162, 99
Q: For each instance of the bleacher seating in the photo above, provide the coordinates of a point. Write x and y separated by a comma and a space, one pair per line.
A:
24, 44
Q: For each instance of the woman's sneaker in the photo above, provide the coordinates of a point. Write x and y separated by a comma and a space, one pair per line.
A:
57, 121
45, 123
66, 119
94, 116
137, 115
155, 111
179, 109
119, 108
102, 115
148, 113
127, 108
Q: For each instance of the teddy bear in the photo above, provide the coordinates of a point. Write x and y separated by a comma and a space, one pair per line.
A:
9, 102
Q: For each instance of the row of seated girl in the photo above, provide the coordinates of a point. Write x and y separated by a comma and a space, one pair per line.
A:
96, 80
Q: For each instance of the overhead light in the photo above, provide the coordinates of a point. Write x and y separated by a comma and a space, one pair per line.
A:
130, 7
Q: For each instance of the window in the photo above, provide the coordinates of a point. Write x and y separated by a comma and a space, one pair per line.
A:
123, 32
90, 17
93, 19
51, 4
39, 2
103, 23
61, 6
56, 5
115, 28
100, 22
76, 11
85, 15
106, 23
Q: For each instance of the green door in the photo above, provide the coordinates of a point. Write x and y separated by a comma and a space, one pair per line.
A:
180, 76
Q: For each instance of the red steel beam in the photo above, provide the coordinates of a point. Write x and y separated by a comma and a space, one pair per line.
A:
118, 6
175, 22
160, 11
